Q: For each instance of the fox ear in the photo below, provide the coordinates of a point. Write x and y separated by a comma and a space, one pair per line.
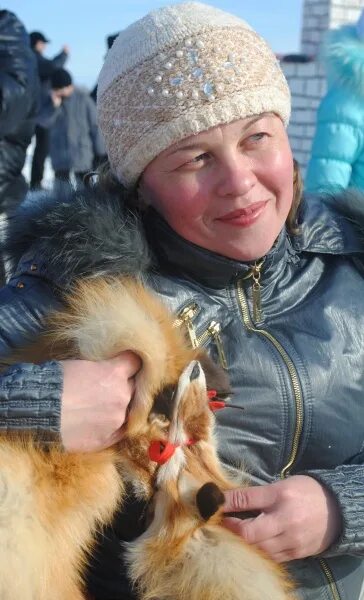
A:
216, 377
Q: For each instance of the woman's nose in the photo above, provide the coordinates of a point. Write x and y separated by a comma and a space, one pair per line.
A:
236, 178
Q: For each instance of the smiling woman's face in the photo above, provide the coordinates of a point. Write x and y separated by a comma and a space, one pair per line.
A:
228, 189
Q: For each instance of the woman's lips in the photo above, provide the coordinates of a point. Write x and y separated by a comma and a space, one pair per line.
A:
243, 217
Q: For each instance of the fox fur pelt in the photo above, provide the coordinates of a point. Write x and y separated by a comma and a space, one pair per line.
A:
52, 503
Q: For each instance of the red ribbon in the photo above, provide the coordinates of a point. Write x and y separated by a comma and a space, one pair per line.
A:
214, 404
160, 451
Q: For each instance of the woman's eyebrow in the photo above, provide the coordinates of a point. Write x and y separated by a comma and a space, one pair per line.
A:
199, 146
191, 146
252, 121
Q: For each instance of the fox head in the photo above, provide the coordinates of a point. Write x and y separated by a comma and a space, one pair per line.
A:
174, 457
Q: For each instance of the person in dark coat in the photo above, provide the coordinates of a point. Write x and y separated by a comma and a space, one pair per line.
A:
46, 67
110, 39
19, 89
19, 96
74, 137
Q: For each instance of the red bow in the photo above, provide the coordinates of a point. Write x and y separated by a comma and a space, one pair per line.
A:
215, 404
160, 451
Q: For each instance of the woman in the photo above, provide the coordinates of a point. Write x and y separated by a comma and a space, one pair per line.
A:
193, 106
337, 159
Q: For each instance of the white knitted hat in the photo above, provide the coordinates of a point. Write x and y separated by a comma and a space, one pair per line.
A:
176, 72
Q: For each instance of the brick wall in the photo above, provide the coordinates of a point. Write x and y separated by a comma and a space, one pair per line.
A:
315, 20
307, 80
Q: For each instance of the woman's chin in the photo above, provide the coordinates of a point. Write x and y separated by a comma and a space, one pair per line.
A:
242, 253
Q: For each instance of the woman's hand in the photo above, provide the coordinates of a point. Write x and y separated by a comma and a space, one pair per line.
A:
95, 400
297, 517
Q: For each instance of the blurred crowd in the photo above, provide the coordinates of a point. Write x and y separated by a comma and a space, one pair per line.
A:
41, 105
40, 102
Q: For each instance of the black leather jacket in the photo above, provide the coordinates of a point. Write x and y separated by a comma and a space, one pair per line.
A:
296, 366
19, 96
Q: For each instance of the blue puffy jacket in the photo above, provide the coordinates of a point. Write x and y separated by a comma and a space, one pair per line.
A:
337, 159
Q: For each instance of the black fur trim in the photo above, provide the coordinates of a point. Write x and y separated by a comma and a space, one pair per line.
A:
79, 233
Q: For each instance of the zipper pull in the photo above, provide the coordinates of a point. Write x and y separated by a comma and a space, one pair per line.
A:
214, 329
186, 316
256, 292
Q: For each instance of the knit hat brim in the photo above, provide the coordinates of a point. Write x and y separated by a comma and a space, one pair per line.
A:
241, 105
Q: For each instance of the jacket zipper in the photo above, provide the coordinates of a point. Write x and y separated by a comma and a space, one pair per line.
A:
330, 578
256, 292
291, 370
257, 312
255, 274
185, 317
213, 331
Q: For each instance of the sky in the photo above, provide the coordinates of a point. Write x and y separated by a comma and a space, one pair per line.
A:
84, 24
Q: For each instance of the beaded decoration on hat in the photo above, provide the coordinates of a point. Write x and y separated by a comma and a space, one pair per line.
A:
195, 67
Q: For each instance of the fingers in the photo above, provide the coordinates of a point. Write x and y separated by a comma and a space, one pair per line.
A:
128, 362
285, 556
278, 550
255, 531
294, 517
235, 525
249, 498
264, 534
131, 386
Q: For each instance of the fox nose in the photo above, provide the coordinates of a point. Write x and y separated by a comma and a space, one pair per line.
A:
195, 372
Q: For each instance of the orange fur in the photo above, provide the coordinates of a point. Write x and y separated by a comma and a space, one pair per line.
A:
51, 503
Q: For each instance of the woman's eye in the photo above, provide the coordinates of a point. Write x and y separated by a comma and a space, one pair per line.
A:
197, 161
256, 137
200, 158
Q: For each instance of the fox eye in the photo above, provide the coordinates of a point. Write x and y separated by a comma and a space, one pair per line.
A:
164, 403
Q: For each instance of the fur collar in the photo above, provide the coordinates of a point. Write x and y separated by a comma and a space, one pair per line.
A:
78, 233
343, 54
